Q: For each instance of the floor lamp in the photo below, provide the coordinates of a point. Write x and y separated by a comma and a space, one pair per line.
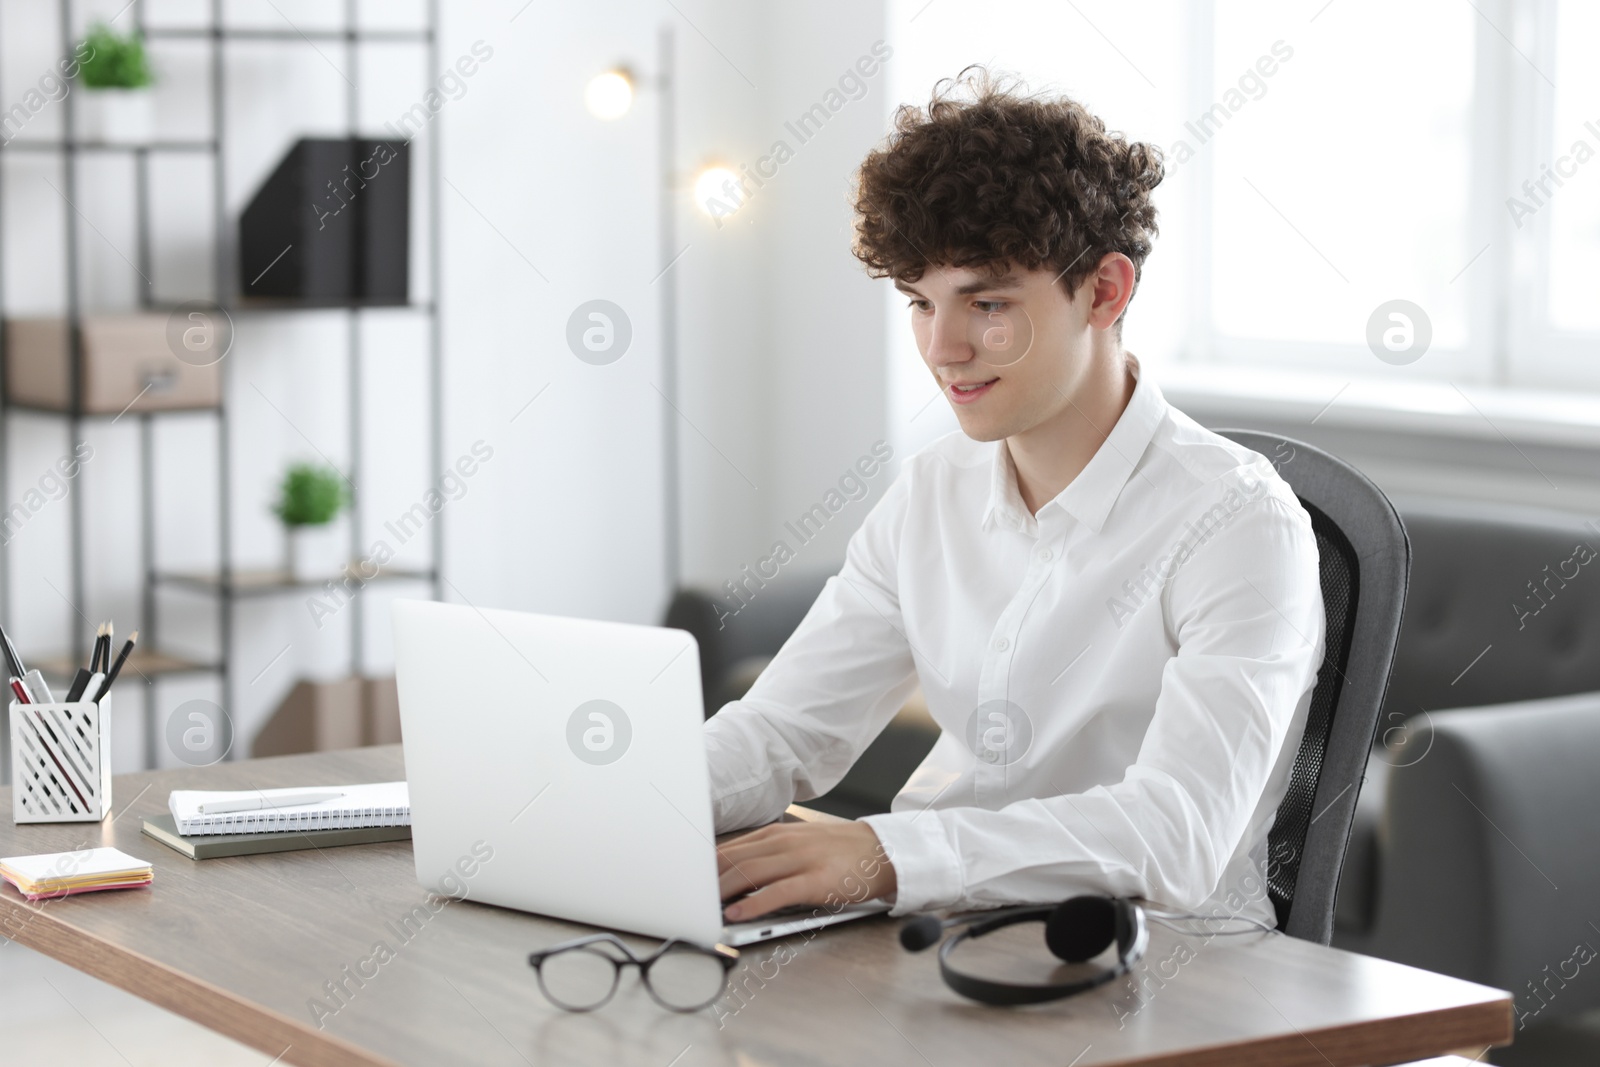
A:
609, 96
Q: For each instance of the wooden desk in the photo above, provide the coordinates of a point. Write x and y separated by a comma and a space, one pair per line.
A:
248, 945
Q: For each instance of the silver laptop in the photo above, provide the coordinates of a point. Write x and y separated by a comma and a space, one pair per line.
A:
556, 766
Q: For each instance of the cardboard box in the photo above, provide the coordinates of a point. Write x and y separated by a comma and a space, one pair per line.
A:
319, 716
314, 717
382, 711
126, 361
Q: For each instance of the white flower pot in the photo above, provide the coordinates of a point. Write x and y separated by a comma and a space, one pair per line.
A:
115, 116
317, 553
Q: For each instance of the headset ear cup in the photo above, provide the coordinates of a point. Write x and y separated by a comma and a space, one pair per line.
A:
1132, 932
1080, 928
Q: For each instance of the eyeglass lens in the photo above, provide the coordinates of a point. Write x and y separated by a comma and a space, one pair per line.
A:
579, 979
685, 978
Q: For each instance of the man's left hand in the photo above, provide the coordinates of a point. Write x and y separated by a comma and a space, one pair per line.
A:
828, 864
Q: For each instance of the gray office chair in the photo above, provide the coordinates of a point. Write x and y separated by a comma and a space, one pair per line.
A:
1365, 563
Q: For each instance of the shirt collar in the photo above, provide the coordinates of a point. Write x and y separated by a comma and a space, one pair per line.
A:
1088, 497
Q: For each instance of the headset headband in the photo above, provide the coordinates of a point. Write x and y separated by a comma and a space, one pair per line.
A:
1130, 935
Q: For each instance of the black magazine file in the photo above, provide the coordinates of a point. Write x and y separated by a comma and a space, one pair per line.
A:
330, 225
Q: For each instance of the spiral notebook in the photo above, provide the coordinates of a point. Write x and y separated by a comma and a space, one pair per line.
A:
376, 804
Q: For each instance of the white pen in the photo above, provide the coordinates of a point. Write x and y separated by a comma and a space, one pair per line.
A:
38, 688
290, 800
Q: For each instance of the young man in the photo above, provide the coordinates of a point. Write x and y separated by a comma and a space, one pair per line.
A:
1114, 614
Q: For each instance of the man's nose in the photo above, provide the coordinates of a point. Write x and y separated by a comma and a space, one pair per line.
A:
949, 343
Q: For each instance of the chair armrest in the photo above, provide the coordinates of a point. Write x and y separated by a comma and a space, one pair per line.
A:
1491, 851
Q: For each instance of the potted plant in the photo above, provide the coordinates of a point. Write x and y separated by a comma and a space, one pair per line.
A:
115, 108
309, 499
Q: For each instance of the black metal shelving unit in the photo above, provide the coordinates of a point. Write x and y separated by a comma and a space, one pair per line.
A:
227, 585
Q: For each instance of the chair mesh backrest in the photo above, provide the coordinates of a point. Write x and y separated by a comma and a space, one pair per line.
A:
1340, 578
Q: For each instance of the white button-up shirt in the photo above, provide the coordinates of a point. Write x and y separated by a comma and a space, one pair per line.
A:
1121, 681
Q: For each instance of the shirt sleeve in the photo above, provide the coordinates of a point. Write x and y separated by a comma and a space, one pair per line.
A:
831, 689
1246, 613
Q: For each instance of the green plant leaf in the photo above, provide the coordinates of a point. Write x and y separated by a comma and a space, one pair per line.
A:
112, 61
310, 495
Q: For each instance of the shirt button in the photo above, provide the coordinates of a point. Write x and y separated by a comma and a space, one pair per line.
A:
1001, 644
1044, 556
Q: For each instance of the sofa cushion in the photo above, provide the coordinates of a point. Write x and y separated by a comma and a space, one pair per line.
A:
1503, 605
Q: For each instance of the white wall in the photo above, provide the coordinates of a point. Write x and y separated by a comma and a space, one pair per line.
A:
783, 332
549, 209
781, 335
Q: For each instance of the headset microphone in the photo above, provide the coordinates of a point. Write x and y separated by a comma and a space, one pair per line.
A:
924, 931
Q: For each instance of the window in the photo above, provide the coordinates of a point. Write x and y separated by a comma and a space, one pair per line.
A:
1324, 158
1557, 284
1574, 231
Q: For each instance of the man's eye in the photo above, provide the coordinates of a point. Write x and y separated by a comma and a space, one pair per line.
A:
989, 307
920, 305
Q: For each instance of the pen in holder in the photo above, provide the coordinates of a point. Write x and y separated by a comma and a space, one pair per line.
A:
61, 761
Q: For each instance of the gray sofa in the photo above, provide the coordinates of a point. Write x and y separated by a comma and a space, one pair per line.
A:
735, 647
1476, 849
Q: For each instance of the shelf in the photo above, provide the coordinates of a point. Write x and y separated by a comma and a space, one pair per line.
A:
270, 581
40, 409
220, 47
263, 34
270, 304
144, 662
105, 146
246, 305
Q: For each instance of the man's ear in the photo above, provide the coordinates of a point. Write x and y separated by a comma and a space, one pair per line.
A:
1112, 288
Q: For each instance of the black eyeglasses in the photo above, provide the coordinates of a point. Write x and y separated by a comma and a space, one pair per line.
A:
579, 975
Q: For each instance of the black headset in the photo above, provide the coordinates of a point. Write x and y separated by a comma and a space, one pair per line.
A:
1076, 930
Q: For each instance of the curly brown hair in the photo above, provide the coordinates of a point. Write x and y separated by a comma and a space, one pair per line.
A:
1003, 179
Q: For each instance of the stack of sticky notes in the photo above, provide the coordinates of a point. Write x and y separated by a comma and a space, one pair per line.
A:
59, 874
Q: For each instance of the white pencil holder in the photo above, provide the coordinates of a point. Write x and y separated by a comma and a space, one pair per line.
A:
61, 761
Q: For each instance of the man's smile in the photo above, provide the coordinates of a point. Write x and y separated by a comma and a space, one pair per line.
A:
967, 392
